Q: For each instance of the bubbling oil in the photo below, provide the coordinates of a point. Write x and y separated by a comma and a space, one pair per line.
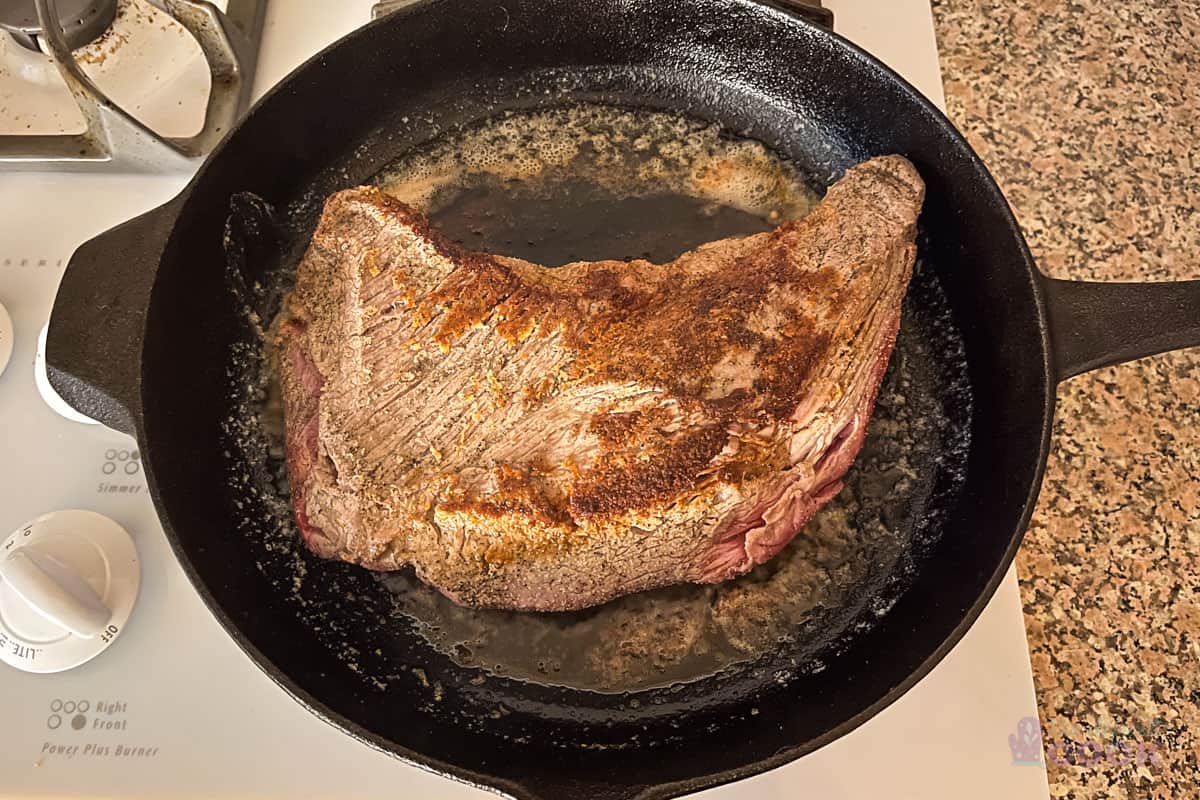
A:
592, 182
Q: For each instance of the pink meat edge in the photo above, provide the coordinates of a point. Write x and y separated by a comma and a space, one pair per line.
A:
302, 437
757, 535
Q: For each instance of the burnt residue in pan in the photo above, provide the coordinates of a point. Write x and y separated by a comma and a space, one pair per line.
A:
591, 182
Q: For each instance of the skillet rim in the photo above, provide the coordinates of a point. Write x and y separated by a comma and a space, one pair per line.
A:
866, 63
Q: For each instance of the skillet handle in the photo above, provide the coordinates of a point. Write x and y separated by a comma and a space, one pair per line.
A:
94, 344
1093, 325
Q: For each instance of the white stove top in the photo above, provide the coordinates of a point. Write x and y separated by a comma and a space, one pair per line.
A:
174, 709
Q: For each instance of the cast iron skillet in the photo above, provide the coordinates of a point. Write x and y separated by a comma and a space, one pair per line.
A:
145, 323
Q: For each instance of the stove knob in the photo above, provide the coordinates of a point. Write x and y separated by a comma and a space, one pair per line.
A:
68, 582
47, 392
6, 338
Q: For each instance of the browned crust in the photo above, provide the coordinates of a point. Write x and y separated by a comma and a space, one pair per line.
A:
632, 323
620, 482
661, 332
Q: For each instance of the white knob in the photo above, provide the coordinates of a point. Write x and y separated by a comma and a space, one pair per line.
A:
6, 338
51, 589
68, 582
52, 398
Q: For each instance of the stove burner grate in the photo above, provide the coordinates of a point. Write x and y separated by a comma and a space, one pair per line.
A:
81, 21
114, 139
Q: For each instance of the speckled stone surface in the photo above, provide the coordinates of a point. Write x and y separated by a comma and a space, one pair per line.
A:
1088, 113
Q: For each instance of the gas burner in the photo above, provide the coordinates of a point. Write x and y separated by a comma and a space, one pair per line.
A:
81, 21
113, 139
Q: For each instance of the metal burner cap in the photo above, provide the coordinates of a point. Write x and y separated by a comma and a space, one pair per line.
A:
82, 21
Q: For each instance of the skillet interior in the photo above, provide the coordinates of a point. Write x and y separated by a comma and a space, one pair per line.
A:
758, 73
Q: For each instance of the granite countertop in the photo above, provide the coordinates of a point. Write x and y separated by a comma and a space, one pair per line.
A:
1088, 113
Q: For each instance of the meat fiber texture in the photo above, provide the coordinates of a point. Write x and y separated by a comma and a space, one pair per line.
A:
549, 439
